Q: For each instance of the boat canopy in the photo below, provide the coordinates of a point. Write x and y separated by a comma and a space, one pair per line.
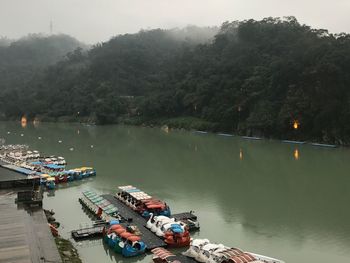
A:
125, 187
242, 258
162, 253
120, 230
134, 238
230, 252
156, 206
125, 234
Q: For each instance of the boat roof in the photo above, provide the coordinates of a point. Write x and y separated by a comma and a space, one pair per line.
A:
242, 258
162, 253
140, 195
119, 230
229, 252
134, 238
125, 187
126, 234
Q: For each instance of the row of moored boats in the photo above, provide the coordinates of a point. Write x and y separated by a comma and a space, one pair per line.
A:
126, 239
50, 169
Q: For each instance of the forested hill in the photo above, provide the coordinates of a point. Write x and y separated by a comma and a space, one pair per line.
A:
21, 59
252, 77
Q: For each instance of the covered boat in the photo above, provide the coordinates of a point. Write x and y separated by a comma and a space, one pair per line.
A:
161, 255
206, 252
99, 206
123, 242
141, 202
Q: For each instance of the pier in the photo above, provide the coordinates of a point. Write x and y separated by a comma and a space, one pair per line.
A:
24, 232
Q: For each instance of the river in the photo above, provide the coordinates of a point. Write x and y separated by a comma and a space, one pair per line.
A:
286, 201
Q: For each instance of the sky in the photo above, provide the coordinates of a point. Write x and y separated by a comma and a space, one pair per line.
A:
93, 21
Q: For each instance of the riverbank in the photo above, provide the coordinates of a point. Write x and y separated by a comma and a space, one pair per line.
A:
67, 251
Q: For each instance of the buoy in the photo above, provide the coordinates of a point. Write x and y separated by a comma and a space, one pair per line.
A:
59, 141
91, 146
39, 138
8, 132
71, 149
22, 134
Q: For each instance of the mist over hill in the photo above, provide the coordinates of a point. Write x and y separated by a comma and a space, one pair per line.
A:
248, 77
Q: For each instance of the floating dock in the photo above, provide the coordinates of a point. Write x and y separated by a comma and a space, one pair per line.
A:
324, 145
251, 138
88, 232
293, 142
151, 240
225, 134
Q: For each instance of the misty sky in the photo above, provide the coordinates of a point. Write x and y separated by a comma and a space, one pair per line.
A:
97, 20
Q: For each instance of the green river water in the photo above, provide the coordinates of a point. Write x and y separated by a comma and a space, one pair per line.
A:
286, 201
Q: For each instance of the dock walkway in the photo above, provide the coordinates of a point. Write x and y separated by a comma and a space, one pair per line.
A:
24, 234
150, 239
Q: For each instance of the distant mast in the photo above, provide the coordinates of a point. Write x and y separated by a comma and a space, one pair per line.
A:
51, 27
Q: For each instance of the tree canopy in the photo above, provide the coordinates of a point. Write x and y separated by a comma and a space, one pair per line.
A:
249, 77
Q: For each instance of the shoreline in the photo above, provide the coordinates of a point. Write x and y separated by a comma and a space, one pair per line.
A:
193, 124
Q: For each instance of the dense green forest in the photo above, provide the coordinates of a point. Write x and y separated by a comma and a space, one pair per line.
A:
248, 77
21, 60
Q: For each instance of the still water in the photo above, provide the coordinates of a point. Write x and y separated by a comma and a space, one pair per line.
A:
286, 201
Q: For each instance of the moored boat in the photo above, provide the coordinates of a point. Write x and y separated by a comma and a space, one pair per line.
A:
99, 206
123, 242
141, 202
206, 252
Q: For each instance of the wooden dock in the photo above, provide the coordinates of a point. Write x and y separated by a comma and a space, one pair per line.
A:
24, 234
150, 239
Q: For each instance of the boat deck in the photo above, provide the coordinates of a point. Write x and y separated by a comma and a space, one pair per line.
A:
24, 234
150, 239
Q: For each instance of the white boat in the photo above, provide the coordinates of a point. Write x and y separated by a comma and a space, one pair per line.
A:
195, 247
159, 221
204, 253
169, 225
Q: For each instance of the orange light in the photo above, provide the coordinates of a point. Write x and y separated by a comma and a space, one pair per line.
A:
296, 154
24, 122
295, 125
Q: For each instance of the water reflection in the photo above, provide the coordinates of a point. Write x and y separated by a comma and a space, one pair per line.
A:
296, 154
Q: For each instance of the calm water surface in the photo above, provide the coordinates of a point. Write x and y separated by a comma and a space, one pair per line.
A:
286, 201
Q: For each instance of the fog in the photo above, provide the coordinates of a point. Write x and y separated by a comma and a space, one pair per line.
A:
93, 21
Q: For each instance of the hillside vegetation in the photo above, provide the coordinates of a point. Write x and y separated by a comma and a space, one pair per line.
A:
252, 78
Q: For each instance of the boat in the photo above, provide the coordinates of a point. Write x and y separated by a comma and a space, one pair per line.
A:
141, 202
99, 206
195, 247
123, 242
175, 233
161, 255
50, 183
203, 251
